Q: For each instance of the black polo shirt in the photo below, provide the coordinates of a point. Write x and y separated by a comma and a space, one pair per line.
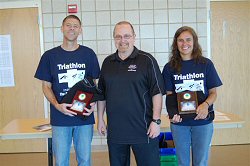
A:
128, 86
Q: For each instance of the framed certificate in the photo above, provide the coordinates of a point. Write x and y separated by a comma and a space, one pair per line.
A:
187, 102
80, 101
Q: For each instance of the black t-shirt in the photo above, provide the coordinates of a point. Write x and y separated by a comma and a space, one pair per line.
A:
128, 86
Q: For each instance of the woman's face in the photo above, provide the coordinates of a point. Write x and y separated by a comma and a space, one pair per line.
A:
185, 43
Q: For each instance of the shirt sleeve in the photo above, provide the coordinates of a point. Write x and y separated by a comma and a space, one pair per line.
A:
95, 64
101, 82
156, 83
213, 79
43, 71
168, 78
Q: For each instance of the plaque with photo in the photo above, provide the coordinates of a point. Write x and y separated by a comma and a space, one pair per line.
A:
80, 101
187, 102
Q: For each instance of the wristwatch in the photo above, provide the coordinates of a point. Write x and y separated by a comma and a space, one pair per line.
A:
157, 121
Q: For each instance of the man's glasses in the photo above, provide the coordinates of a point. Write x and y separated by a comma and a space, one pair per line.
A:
119, 37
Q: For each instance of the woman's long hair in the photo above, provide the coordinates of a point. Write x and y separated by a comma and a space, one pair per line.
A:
175, 59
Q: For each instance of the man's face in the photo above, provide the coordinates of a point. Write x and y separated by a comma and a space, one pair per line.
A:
71, 28
124, 38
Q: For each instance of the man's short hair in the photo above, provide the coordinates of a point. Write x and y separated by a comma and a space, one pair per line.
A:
72, 16
122, 23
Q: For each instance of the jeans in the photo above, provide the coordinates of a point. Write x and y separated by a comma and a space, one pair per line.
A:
146, 154
198, 138
61, 143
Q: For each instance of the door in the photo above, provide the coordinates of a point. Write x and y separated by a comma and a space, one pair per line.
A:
25, 99
230, 38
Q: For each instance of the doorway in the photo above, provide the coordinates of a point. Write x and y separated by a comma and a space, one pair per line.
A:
230, 38
25, 99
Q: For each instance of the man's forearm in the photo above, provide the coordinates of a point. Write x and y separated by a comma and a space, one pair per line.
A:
157, 106
101, 106
49, 94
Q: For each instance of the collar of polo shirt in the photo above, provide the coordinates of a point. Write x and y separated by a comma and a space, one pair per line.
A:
133, 55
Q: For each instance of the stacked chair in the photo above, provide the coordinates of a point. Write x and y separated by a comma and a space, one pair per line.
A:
167, 149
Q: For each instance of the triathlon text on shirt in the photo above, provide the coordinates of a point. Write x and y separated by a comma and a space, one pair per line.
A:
188, 76
71, 66
74, 73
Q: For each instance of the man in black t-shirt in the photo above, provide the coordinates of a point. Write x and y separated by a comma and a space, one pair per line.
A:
132, 85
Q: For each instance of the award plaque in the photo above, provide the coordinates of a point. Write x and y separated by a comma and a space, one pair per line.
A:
80, 101
187, 102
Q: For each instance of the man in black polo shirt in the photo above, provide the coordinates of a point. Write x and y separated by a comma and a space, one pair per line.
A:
132, 86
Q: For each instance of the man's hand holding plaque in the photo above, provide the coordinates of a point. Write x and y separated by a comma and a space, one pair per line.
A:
82, 97
80, 101
187, 102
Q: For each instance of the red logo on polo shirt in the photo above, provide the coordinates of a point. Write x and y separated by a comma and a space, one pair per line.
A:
132, 68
